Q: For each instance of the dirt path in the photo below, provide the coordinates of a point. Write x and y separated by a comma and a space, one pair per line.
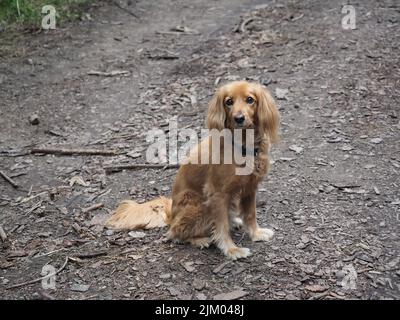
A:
333, 192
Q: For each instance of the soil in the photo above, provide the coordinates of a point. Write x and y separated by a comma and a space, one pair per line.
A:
332, 195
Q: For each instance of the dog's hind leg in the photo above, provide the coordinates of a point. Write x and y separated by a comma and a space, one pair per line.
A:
188, 221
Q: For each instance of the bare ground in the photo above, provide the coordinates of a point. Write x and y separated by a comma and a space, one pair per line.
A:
332, 195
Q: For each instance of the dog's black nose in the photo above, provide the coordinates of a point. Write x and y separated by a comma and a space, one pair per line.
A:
239, 119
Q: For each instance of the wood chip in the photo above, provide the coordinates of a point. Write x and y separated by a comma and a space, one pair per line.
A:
3, 234
233, 295
221, 266
93, 207
315, 288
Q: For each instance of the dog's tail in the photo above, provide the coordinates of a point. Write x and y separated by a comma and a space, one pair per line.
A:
148, 215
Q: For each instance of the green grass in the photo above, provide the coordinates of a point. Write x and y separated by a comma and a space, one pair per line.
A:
28, 13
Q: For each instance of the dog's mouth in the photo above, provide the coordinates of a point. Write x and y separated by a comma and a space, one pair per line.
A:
244, 125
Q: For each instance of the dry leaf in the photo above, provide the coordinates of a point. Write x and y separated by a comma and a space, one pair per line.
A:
78, 180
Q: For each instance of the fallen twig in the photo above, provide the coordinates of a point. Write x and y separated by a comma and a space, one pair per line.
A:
91, 255
41, 278
37, 205
135, 166
241, 28
61, 151
93, 207
48, 253
163, 54
13, 153
125, 9
298, 18
108, 74
9, 180
3, 235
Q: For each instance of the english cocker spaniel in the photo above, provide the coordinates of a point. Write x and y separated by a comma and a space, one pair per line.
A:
208, 198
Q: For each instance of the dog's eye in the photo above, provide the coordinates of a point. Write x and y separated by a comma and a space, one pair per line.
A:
229, 102
249, 100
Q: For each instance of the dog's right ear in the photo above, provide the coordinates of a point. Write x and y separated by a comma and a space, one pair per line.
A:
216, 115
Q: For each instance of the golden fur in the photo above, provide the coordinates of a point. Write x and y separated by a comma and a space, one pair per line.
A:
209, 199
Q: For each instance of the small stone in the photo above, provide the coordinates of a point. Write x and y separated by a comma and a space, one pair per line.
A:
34, 119
136, 234
173, 291
376, 140
35, 296
199, 284
134, 154
201, 296
340, 275
296, 149
165, 276
189, 266
281, 93
266, 81
304, 238
110, 232
286, 159
329, 189
80, 287
346, 148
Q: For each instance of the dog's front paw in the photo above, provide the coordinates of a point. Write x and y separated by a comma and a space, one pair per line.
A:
262, 234
201, 242
238, 253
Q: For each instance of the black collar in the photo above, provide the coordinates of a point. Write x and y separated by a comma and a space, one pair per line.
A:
247, 152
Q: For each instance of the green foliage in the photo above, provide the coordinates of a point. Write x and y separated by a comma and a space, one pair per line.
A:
28, 13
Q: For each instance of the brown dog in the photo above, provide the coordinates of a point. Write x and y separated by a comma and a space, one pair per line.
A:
209, 199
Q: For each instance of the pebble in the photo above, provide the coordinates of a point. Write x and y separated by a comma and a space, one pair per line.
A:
201, 296
199, 284
281, 93
34, 119
136, 234
376, 140
80, 287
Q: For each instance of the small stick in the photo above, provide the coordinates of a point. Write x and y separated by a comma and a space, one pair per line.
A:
110, 169
241, 28
61, 151
320, 295
91, 255
125, 9
9, 180
93, 207
41, 278
3, 234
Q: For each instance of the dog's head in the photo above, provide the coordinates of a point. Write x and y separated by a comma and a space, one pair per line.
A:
244, 105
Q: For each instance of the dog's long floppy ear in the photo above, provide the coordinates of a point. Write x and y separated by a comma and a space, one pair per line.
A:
267, 114
216, 113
